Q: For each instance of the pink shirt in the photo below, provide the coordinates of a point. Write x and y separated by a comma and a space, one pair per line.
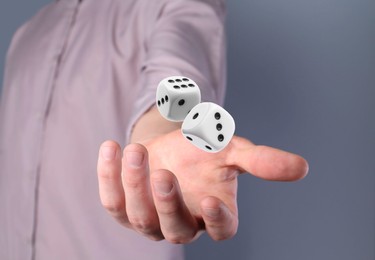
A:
78, 73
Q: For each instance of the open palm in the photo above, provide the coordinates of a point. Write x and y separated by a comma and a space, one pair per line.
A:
170, 189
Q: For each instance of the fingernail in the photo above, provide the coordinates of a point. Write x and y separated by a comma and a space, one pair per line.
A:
163, 188
108, 153
134, 159
212, 212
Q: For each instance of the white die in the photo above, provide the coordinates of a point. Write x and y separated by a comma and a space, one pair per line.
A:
209, 127
176, 96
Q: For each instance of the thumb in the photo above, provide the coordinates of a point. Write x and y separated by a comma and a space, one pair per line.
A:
266, 162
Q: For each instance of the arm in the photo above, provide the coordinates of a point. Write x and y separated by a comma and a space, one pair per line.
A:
163, 187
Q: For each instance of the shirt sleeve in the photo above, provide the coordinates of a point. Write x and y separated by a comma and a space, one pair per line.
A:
186, 38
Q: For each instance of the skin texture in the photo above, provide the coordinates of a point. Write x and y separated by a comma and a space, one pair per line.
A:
165, 188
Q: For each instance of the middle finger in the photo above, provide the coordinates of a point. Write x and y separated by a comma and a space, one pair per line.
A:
139, 203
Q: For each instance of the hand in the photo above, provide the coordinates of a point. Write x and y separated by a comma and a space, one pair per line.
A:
169, 189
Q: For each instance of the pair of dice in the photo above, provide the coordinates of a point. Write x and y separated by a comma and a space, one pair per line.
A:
206, 125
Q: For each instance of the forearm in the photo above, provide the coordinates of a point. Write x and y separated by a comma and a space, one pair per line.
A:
151, 125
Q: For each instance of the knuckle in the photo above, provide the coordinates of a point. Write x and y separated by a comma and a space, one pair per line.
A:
133, 184
156, 237
135, 181
169, 206
170, 210
180, 238
225, 234
145, 226
106, 172
117, 211
114, 207
176, 240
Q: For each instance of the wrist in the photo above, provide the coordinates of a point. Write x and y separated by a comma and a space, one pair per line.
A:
152, 125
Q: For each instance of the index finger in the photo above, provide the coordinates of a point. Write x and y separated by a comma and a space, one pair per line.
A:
109, 178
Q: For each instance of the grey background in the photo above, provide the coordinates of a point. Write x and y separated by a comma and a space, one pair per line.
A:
301, 78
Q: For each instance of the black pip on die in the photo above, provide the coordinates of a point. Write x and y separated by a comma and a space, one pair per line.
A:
209, 127
176, 96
